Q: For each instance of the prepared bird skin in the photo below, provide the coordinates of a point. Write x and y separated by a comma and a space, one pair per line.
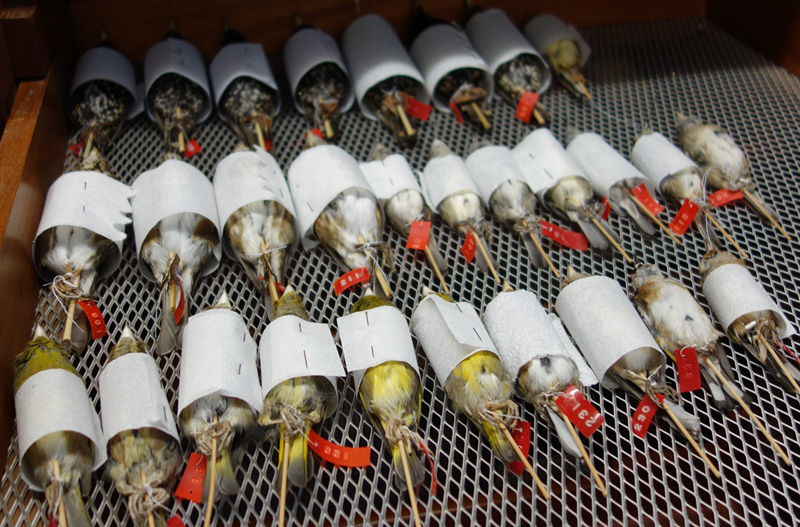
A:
566, 61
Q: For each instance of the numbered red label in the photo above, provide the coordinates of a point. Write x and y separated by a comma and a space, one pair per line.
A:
76, 149
573, 240
193, 480
526, 105
192, 148
418, 235
468, 249
688, 370
456, 112
640, 193
417, 109
353, 278
683, 220
579, 411
643, 415
318, 133
96, 320
605, 207
724, 196
522, 437
337, 454
267, 144
181, 307
175, 521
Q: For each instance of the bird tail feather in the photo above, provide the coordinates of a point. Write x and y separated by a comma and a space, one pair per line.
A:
415, 467
499, 443
172, 320
75, 509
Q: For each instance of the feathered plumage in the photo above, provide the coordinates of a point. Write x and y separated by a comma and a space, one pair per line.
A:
565, 59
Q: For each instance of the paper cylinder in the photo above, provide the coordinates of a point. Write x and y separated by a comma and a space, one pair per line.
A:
544, 161
242, 59
443, 177
490, 167
175, 55
657, 157
389, 176
604, 167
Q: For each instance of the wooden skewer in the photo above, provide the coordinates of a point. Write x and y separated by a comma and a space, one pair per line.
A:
379, 274
781, 365
71, 307
584, 454
525, 462
411, 495
653, 217
538, 116
403, 117
328, 128
181, 139
172, 292
482, 118
436, 270
749, 412
151, 519
284, 480
213, 477
541, 250
260, 135
765, 213
692, 442
89, 143
485, 254
728, 237
612, 240
62, 511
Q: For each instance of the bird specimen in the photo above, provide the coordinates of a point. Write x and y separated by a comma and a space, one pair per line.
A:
389, 101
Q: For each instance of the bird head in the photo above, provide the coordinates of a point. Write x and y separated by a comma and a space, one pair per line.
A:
127, 343
684, 122
715, 258
573, 276
291, 303
644, 273
438, 149
427, 291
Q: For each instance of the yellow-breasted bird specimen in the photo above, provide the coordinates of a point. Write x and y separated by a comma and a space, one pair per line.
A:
227, 419
566, 60
142, 463
70, 452
296, 405
391, 394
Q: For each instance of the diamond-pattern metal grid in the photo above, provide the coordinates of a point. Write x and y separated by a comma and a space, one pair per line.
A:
640, 74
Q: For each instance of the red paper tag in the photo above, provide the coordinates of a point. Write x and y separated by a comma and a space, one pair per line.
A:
181, 305
76, 149
51, 520
417, 109
579, 411
354, 277
683, 219
418, 235
606, 208
96, 321
468, 249
343, 456
723, 196
424, 448
573, 240
267, 144
688, 370
318, 133
192, 148
643, 415
525, 106
193, 480
522, 436
175, 521
640, 192
456, 112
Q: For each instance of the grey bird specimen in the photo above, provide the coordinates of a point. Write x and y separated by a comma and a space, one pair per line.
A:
677, 321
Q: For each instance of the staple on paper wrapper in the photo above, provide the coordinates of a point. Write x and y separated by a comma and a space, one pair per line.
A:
442, 49
543, 30
91, 200
374, 54
242, 59
498, 41
175, 55
307, 49
375, 336
102, 63
603, 165
657, 157
389, 176
542, 147
174, 187
292, 347
732, 292
603, 323
449, 333
490, 167
248, 177
131, 397
316, 177
50, 401
218, 357
523, 330
443, 177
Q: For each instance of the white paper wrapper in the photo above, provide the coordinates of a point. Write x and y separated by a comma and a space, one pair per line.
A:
543, 30
246, 177
390, 176
657, 157
443, 177
91, 200
441, 49
292, 347
131, 397
106, 64
373, 54
315, 178
55, 401
523, 330
138, 103
172, 188
218, 357
490, 167
604, 166
498, 41
604, 323
308, 48
175, 55
373, 337
449, 333
544, 161
241, 59
732, 292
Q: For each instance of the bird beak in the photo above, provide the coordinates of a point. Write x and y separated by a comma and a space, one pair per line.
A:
39, 332
127, 333
427, 291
